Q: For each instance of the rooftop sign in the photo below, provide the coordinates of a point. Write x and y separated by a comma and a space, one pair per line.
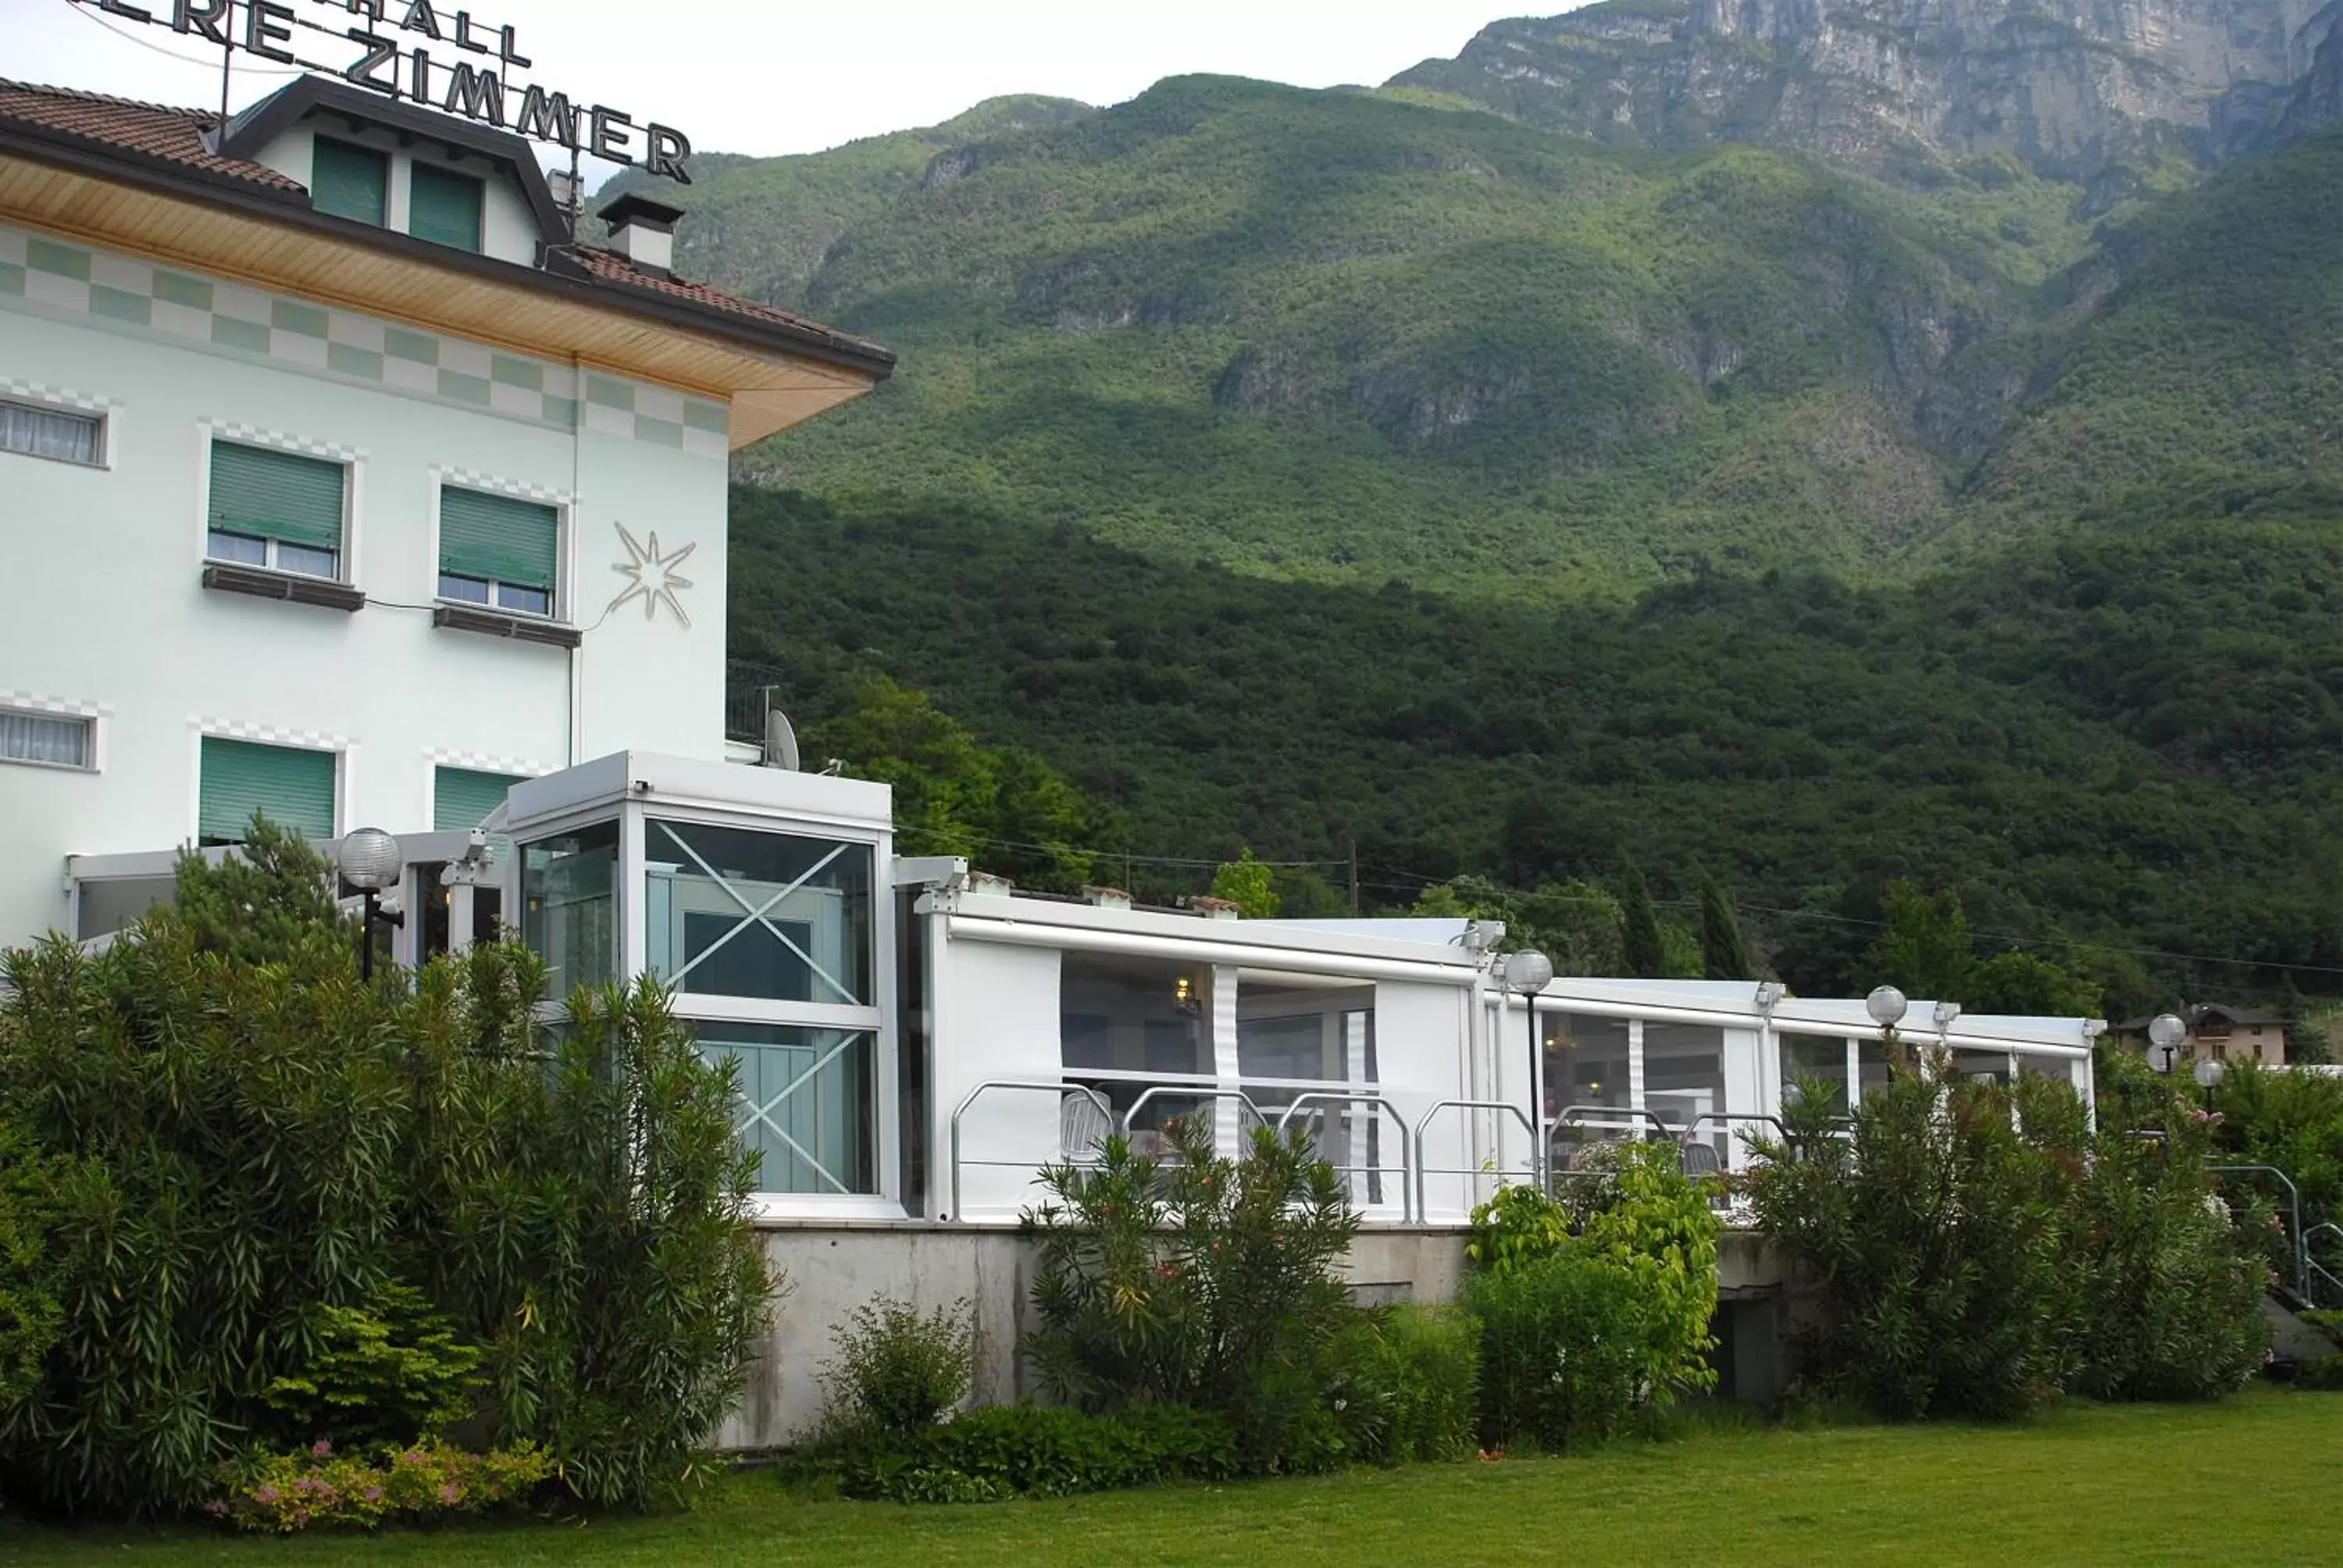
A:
434, 55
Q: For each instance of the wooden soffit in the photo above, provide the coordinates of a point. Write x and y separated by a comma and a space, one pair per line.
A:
767, 390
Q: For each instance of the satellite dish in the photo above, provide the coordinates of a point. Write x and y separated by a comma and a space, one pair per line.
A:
780, 741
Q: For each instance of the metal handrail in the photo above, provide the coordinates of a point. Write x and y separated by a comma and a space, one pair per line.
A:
2301, 1242
1571, 1113
1060, 1090
1424, 1126
1726, 1118
1406, 1213
1191, 1091
2315, 1267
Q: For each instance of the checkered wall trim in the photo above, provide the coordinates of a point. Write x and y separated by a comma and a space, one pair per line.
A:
339, 344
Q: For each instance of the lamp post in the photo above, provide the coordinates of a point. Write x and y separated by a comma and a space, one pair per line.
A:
1529, 972
371, 861
2207, 1073
2166, 1035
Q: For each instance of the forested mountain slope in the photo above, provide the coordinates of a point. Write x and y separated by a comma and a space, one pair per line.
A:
1342, 337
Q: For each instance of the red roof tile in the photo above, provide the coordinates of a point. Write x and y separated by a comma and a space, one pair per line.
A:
176, 135
609, 266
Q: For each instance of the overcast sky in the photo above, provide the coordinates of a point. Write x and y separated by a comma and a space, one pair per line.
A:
768, 77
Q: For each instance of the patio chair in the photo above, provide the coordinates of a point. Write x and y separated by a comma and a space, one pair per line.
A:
1081, 1128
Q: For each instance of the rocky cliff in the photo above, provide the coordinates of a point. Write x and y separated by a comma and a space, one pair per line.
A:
2077, 89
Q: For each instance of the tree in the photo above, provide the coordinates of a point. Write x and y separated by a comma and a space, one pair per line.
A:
1924, 945
1643, 951
1248, 885
1723, 954
1004, 808
2017, 982
1575, 924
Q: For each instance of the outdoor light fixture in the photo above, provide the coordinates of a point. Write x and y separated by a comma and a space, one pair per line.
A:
1529, 972
2207, 1074
1945, 1012
1887, 1006
2166, 1035
371, 861
1770, 994
1183, 994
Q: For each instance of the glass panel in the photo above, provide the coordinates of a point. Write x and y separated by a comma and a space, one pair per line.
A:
468, 589
110, 904
1585, 1065
307, 562
1292, 1046
1131, 1015
61, 742
527, 600
806, 1103
1684, 1078
1993, 1066
735, 911
1822, 1056
444, 208
569, 906
49, 433
1873, 1054
237, 548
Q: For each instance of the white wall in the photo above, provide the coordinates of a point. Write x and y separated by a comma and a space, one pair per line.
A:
997, 1012
107, 616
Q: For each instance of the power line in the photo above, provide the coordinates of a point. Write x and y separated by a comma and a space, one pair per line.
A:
81, 9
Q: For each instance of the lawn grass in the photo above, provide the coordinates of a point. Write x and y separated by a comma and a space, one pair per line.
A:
2257, 1481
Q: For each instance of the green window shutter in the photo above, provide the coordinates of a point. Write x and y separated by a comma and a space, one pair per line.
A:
348, 182
292, 787
444, 208
498, 538
461, 798
277, 495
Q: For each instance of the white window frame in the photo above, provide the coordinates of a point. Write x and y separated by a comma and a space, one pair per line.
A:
54, 400
92, 759
562, 611
352, 459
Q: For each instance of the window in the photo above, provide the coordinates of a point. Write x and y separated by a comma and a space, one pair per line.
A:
444, 208
735, 912
57, 433
273, 508
497, 550
461, 798
349, 181
292, 787
807, 1105
569, 906
46, 739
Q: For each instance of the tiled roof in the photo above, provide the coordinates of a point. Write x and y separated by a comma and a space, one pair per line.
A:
174, 136
609, 266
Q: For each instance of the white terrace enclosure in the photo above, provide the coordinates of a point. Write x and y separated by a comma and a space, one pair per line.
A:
337, 480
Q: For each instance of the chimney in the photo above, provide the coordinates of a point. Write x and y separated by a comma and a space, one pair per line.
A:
1216, 909
1107, 898
643, 231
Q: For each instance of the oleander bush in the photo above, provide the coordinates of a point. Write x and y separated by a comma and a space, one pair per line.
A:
292, 1207
898, 1371
1199, 1280
1564, 1353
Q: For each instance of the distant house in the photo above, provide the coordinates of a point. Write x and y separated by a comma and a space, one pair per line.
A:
2220, 1032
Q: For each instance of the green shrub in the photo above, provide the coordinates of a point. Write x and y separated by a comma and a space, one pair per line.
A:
390, 1371
1412, 1384
2171, 1293
414, 1484
1649, 1220
256, 1147
1565, 1346
30, 1315
1933, 1233
1200, 1281
1520, 1224
900, 1371
1042, 1451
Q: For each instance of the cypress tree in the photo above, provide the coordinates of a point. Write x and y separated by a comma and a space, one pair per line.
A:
1639, 927
1723, 954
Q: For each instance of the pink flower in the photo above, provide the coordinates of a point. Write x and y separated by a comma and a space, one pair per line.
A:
374, 1494
449, 1493
265, 1494
321, 1449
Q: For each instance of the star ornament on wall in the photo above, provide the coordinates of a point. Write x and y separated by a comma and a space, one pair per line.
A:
652, 577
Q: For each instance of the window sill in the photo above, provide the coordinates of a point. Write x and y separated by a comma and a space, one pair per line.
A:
228, 577
504, 623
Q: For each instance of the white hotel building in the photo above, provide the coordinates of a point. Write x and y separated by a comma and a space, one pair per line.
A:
337, 481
